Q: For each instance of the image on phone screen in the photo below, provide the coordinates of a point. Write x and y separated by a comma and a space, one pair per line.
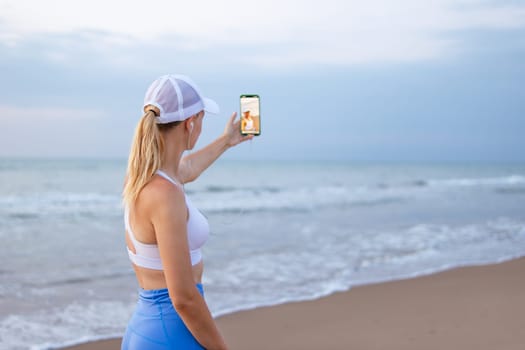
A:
250, 115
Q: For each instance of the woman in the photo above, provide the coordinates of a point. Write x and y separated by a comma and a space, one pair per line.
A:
247, 120
164, 230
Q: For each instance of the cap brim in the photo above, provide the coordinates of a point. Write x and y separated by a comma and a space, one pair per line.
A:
211, 106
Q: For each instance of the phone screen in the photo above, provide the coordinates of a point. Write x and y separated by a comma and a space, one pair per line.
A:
250, 115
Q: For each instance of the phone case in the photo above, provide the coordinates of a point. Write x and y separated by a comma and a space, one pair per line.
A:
250, 114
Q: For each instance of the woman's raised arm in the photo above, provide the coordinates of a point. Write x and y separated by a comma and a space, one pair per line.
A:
192, 165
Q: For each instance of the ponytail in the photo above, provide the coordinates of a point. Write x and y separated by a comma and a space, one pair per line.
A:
145, 157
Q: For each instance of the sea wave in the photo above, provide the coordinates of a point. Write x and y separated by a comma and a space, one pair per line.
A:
33, 206
511, 180
75, 323
228, 199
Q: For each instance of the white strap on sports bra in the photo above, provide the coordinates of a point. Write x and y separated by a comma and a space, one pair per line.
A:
146, 255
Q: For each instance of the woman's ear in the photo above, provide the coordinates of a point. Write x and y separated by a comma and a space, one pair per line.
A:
189, 124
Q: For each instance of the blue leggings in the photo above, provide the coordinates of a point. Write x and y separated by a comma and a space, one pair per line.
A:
155, 324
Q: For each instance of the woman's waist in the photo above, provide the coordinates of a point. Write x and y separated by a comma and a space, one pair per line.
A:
162, 294
156, 280
157, 304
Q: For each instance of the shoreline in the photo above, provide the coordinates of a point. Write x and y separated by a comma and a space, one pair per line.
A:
481, 306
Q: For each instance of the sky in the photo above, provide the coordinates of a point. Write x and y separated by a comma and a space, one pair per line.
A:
379, 81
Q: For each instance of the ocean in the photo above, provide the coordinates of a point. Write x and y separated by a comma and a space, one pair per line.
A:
280, 231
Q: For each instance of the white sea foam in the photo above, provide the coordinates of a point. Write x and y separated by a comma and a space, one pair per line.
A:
58, 204
482, 181
60, 326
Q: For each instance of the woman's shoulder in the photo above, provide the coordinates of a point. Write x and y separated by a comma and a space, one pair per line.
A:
160, 191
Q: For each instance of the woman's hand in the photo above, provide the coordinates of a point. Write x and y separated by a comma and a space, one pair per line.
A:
232, 134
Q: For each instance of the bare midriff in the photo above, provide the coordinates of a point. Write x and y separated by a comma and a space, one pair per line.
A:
154, 279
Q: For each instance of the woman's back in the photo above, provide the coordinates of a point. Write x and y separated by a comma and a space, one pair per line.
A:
141, 238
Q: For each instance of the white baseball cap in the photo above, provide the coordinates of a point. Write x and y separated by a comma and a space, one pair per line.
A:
178, 98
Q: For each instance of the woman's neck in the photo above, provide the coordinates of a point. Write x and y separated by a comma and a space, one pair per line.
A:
174, 147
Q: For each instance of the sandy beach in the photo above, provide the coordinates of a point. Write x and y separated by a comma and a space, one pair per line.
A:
481, 307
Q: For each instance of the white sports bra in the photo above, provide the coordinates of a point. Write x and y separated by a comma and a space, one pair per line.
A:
148, 256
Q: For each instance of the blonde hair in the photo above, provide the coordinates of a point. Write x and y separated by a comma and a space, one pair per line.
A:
146, 154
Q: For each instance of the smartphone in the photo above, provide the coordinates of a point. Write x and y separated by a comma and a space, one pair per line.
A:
250, 115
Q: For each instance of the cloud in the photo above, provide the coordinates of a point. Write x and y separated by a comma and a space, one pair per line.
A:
270, 33
74, 76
